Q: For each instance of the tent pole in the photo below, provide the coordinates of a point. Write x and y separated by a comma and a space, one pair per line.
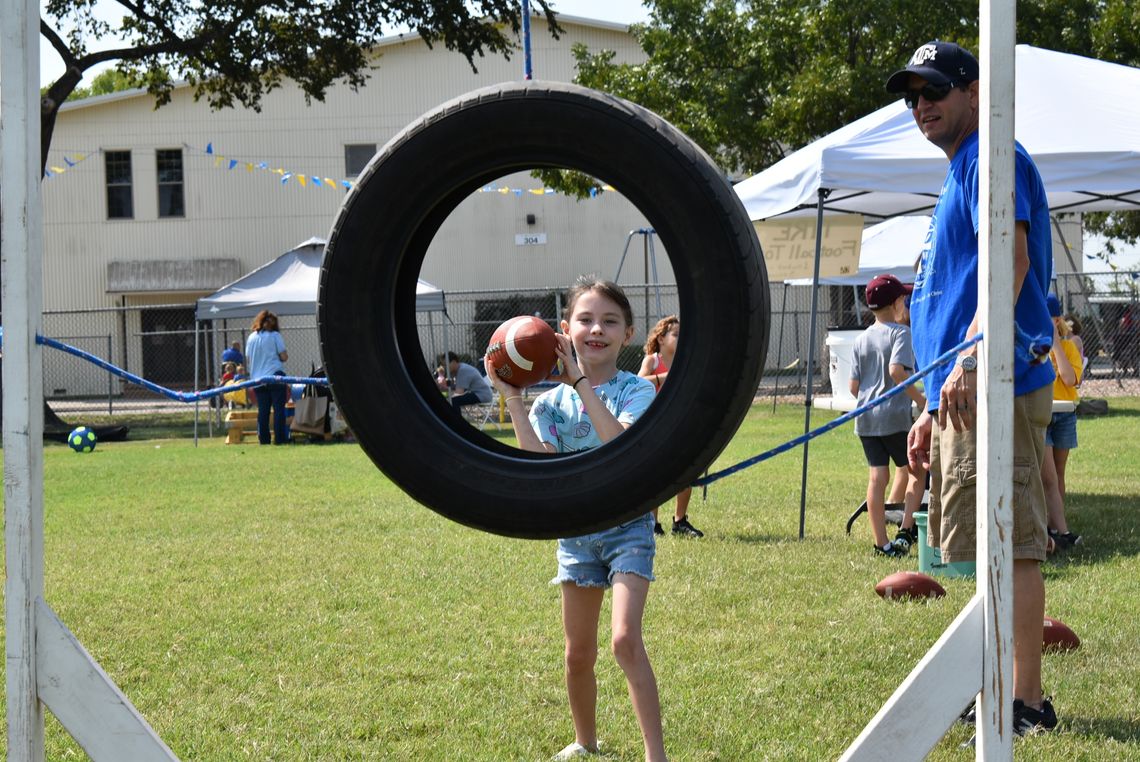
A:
823, 194
197, 361
779, 348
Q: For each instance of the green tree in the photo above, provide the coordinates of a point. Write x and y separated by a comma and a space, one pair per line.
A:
235, 51
752, 80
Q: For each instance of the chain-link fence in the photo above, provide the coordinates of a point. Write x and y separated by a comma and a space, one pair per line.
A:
158, 342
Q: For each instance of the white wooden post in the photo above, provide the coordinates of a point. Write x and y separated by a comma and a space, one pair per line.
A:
44, 660
976, 651
21, 240
996, 210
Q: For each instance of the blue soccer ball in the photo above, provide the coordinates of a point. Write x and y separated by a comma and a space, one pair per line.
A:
82, 439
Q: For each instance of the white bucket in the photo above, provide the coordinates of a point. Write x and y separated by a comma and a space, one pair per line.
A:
839, 347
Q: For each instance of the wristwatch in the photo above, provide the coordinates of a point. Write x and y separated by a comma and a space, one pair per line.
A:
968, 363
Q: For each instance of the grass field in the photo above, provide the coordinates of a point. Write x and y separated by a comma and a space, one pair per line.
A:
292, 604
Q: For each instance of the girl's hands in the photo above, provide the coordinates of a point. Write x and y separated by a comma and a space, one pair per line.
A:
570, 372
505, 389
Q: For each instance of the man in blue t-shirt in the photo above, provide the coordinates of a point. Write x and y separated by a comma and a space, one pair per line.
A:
468, 385
940, 86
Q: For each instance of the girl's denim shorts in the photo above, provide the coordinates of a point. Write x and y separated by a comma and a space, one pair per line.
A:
592, 560
1062, 431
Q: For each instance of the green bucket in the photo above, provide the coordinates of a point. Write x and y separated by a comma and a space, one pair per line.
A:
930, 559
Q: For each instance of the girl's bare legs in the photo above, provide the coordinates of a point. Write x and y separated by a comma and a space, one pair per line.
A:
1053, 500
682, 509
581, 607
1060, 461
629, 596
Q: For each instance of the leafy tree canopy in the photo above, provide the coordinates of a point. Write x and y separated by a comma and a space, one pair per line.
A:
752, 80
235, 51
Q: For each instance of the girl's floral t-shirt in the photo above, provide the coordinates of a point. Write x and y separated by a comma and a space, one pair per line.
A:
559, 417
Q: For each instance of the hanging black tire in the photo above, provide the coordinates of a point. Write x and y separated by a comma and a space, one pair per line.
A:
370, 342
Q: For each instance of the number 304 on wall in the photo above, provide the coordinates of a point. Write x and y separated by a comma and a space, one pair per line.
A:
530, 239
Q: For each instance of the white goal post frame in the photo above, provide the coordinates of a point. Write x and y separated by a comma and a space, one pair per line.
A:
47, 666
974, 657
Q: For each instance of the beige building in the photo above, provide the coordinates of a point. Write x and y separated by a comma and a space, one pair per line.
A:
162, 206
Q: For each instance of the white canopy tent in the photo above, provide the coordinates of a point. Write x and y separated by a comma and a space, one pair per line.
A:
1072, 117
288, 286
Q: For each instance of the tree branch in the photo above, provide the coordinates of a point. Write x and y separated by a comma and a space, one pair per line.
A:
57, 43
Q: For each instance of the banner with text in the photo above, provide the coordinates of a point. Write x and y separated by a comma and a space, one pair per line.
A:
789, 246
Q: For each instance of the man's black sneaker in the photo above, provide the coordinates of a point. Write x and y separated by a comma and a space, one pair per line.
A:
1027, 721
683, 527
657, 528
891, 551
970, 714
1065, 540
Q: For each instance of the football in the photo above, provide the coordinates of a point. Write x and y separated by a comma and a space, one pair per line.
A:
521, 351
81, 439
907, 584
1058, 637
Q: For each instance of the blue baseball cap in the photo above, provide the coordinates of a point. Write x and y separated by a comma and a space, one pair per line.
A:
1054, 305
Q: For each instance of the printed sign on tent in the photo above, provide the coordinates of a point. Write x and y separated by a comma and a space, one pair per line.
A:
789, 246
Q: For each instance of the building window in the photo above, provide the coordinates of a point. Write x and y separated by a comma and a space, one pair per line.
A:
120, 205
168, 163
356, 157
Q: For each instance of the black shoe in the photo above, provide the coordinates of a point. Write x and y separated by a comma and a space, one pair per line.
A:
969, 715
905, 540
683, 527
1064, 541
891, 551
1027, 721
657, 528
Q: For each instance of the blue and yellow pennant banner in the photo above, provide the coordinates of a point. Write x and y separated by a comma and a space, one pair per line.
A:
71, 161
286, 176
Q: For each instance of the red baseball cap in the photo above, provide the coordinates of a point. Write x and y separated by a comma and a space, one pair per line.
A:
883, 290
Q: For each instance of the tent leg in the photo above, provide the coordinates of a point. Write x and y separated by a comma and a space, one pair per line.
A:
779, 346
823, 194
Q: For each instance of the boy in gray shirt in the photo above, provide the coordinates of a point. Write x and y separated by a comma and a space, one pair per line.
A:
883, 357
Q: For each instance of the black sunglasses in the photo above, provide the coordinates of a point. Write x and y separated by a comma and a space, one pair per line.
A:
932, 93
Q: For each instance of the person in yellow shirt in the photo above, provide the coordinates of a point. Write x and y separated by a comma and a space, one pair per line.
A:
1061, 434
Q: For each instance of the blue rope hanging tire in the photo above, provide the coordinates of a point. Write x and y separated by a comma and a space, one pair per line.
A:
370, 341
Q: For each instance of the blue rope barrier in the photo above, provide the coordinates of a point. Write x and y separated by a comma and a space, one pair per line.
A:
702, 482
942, 359
171, 393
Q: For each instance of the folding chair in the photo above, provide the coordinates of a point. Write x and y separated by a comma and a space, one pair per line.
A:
482, 413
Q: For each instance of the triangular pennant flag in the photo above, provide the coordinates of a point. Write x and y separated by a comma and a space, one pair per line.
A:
209, 148
233, 163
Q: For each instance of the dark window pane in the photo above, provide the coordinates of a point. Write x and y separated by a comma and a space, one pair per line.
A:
119, 197
119, 204
356, 157
168, 164
170, 201
118, 167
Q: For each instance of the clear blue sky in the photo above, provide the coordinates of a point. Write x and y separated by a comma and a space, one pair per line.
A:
625, 11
